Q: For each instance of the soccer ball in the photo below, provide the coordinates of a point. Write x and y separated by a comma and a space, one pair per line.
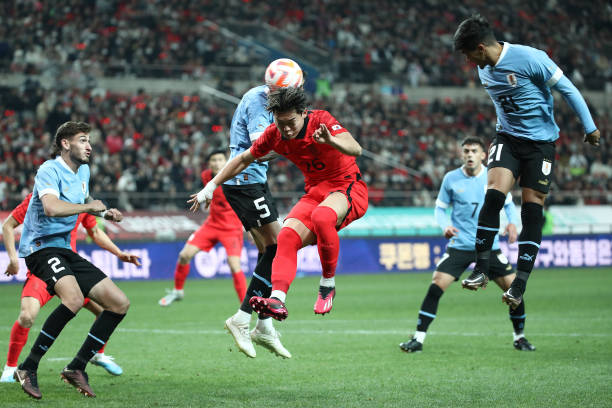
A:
284, 72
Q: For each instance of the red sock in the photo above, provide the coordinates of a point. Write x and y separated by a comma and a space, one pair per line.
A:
18, 339
284, 266
240, 284
102, 349
324, 220
180, 275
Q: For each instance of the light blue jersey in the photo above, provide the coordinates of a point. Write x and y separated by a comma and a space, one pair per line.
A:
519, 86
41, 231
249, 122
466, 194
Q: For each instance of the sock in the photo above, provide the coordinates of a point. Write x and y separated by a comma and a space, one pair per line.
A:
240, 284
241, 317
52, 327
529, 242
180, 275
429, 307
101, 351
18, 339
488, 227
260, 282
265, 326
328, 243
98, 335
327, 282
279, 294
284, 266
419, 336
517, 317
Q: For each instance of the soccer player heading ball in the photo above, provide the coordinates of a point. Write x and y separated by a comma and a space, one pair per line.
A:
518, 79
335, 193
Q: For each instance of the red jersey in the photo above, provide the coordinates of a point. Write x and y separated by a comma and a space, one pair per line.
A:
220, 213
88, 220
317, 161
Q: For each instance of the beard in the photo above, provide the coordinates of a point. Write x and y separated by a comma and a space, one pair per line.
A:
80, 160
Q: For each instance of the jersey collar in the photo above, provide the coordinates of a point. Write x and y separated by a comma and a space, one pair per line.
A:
505, 47
64, 164
482, 168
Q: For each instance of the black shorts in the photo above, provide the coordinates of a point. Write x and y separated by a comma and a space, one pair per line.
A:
530, 161
455, 262
252, 203
50, 264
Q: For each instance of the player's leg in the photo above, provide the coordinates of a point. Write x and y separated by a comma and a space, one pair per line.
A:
536, 176
30, 307
517, 315
233, 243
100, 358
293, 236
325, 218
449, 269
503, 168
240, 285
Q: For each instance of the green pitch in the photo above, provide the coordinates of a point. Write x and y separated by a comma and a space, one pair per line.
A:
180, 355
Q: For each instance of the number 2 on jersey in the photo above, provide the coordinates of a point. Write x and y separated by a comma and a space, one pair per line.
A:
55, 265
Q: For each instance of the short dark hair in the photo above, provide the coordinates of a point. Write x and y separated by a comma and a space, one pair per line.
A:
473, 31
66, 131
217, 151
285, 99
473, 140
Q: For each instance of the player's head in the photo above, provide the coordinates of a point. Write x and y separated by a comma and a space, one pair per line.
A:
472, 38
282, 73
288, 105
472, 152
72, 140
216, 160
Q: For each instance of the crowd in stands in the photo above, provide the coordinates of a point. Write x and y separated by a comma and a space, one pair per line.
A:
408, 41
149, 150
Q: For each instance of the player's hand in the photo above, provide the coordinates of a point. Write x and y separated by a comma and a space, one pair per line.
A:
12, 268
113, 214
96, 206
322, 135
511, 232
203, 197
131, 258
593, 137
450, 232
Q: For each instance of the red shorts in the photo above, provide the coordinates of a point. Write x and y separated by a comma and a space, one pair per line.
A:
37, 288
355, 191
206, 237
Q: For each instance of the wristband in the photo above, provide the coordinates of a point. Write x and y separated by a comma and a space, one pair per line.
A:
207, 192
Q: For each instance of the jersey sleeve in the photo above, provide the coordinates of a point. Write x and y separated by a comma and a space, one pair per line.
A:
335, 128
264, 144
445, 194
89, 221
20, 211
258, 119
47, 181
543, 70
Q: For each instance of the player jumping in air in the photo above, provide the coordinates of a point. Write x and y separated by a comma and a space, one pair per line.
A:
463, 189
248, 194
222, 225
34, 294
519, 80
335, 193
61, 192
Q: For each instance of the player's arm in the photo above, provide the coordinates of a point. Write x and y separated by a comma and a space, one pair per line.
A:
442, 202
574, 98
54, 207
112, 214
103, 241
512, 216
8, 236
343, 142
231, 169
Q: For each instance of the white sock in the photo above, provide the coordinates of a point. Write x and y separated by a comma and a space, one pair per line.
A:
517, 336
179, 291
265, 326
242, 317
328, 282
279, 294
420, 336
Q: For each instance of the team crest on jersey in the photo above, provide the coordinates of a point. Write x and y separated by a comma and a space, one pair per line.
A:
511, 78
546, 167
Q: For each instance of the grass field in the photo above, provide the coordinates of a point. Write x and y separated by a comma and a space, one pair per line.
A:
180, 356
